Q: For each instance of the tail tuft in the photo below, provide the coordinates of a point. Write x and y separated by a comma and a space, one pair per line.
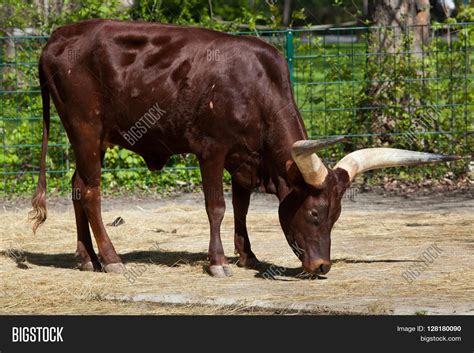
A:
39, 213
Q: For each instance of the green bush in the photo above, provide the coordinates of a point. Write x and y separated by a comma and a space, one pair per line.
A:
426, 105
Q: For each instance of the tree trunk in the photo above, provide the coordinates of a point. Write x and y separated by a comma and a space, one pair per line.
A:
286, 13
406, 17
211, 13
8, 55
396, 44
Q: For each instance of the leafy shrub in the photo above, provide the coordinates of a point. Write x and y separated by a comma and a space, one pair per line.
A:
426, 103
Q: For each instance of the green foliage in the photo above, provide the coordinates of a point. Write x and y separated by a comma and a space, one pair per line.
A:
226, 15
87, 9
171, 11
16, 14
380, 98
388, 97
465, 13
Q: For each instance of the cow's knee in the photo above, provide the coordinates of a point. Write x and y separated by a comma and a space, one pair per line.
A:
90, 197
216, 212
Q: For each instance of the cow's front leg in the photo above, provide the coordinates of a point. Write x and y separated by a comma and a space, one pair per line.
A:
212, 172
240, 201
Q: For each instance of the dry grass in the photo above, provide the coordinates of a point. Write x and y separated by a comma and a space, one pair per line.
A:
371, 250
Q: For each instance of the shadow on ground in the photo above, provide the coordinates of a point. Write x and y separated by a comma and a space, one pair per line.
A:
265, 270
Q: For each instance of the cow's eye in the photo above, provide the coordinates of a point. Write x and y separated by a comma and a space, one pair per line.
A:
314, 216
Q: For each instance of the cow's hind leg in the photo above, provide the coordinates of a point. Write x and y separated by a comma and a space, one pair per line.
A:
88, 160
85, 249
212, 172
240, 202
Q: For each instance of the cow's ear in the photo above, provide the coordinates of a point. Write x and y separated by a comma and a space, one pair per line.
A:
295, 178
343, 179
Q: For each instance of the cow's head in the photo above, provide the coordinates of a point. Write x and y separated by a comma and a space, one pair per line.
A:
308, 213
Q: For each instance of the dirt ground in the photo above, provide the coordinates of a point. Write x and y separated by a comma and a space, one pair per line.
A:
164, 243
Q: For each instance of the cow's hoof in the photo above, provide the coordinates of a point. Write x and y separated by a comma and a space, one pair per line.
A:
114, 268
227, 270
91, 266
250, 263
220, 271
88, 266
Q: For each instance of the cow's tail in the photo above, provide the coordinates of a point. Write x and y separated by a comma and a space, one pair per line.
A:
38, 214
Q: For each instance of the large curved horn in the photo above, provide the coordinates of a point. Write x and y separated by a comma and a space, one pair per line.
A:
372, 158
311, 167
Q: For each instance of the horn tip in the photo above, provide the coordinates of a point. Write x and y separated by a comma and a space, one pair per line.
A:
437, 158
453, 157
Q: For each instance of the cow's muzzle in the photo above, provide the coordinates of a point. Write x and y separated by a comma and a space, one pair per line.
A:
317, 266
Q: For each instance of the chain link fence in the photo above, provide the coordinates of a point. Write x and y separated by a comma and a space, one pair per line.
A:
378, 85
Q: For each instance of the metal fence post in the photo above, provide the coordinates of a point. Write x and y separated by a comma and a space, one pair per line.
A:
289, 52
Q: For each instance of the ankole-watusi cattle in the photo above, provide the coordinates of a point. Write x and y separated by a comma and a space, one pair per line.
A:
160, 90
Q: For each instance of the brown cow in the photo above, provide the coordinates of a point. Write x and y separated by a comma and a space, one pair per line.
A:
160, 90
